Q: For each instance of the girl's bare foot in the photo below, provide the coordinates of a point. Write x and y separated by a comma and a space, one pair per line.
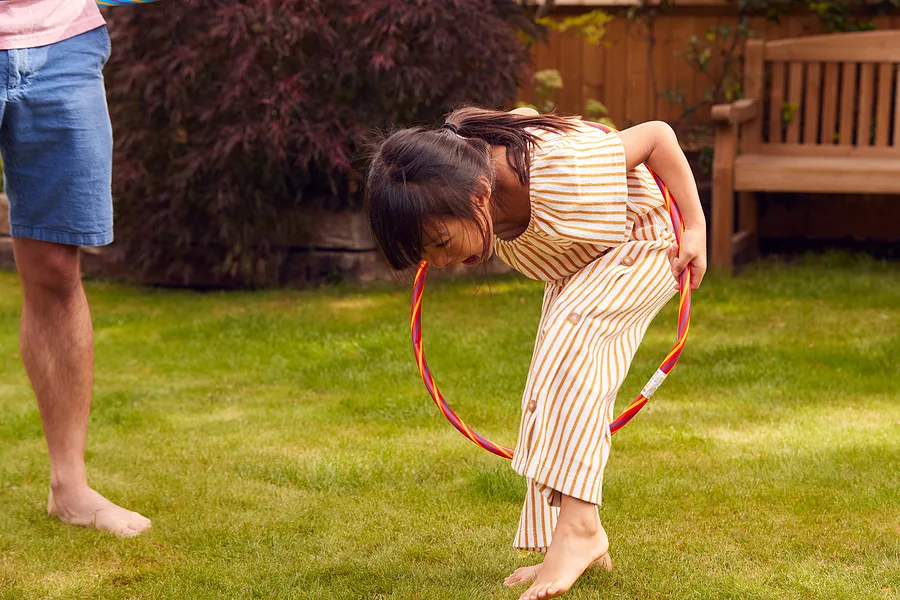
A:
83, 506
524, 575
578, 541
604, 563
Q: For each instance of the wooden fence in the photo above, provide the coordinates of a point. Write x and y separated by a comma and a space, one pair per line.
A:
621, 73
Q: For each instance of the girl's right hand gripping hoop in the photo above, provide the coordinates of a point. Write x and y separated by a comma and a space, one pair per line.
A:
684, 322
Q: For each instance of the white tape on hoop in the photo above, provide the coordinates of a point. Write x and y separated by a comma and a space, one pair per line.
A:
653, 384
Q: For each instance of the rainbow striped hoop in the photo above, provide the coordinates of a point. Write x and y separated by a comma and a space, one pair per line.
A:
684, 322
122, 2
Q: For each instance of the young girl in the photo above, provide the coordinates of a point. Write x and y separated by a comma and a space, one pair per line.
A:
570, 204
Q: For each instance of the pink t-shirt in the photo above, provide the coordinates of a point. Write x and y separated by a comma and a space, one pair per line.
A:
32, 23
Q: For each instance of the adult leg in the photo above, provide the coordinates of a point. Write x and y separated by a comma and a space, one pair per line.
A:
57, 346
56, 141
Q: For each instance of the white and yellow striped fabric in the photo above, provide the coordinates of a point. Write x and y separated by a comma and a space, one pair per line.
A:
598, 237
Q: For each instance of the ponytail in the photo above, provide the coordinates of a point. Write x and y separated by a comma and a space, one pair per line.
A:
497, 128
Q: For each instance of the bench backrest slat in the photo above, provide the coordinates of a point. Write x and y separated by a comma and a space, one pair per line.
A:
829, 104
896, 70
776, 102
883, 104
795, 98
813, 101
848, 97
858, 47
865, 107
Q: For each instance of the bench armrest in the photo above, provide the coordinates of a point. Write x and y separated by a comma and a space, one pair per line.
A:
737, 112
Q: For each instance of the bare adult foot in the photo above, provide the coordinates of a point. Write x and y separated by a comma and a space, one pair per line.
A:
578, 541
85, 507
524, 575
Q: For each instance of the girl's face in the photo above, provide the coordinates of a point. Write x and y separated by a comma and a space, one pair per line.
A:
452, 241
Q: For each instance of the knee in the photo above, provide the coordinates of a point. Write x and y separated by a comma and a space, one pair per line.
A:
48, 271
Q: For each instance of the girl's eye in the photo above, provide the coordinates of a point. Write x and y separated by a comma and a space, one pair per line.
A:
441, 245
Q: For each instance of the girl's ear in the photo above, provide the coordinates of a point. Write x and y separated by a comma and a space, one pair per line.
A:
482, 196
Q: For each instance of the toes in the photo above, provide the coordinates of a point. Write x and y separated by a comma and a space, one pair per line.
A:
138, 527
120, 522
548, 590
124, 530
140, 522
128, 533
136, 530
531, 593
138, 518
131, 529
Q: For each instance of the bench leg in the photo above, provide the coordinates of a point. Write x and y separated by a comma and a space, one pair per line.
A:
748, 225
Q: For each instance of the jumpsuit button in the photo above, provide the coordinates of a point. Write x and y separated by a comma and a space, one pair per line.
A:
627, 261
532, 406
574, 318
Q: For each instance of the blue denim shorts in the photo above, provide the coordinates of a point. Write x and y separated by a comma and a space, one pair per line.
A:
56, 141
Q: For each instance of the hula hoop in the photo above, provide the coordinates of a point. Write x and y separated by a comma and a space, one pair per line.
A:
684, 322
122, 2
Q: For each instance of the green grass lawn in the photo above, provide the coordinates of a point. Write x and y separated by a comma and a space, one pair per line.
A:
284, 446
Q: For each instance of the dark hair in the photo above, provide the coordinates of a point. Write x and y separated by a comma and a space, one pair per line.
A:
418, 174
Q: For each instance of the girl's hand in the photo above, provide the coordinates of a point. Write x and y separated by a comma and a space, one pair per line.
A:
693, 253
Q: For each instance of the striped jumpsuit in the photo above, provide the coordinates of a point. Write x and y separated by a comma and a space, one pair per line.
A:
598, 238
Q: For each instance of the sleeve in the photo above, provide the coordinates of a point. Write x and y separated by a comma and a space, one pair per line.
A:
579, 188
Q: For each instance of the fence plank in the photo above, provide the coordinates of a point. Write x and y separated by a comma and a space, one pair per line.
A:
683, 75
615, 70
571, 98
636, 75
593, 73
754, 84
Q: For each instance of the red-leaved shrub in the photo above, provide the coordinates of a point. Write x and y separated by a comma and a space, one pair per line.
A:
232, 118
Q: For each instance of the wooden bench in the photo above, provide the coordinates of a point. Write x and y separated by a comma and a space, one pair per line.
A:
821, 114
